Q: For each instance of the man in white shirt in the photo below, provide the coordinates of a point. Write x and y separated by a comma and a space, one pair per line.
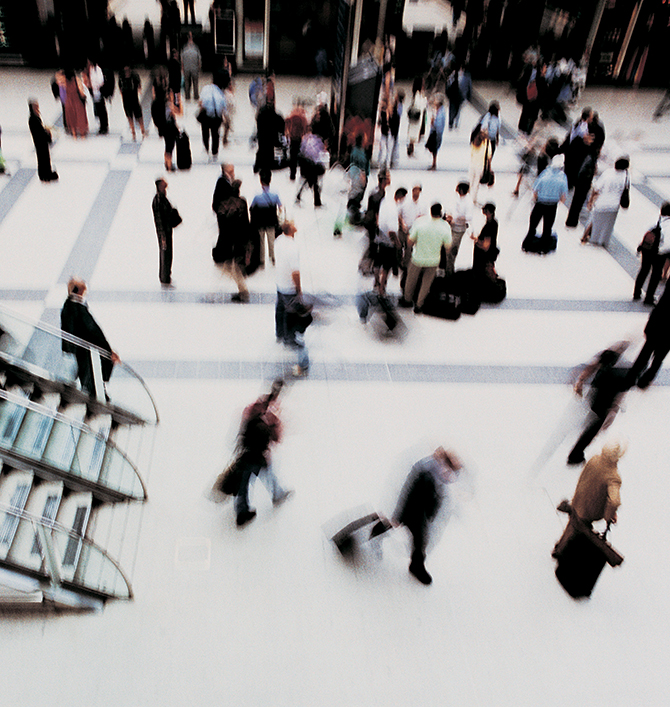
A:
409, 212
289, 291
94, 80
388, 239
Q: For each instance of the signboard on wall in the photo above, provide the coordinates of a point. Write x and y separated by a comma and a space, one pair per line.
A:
253, 39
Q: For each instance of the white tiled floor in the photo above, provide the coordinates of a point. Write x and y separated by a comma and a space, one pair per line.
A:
270, 615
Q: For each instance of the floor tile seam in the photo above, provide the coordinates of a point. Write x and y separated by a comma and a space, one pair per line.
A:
363, 371
327, 300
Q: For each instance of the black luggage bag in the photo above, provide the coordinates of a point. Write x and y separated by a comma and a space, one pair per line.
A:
183, 144
441, 302
579, 566
539, 244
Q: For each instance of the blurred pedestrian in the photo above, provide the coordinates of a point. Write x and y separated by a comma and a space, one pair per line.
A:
460, 217
212, 104
605, 201
459, 91
129, 86
75, 105
265, 209
166, 218
434, 140
94, 80
655, 256
312, 148
296, 127
77, 320
261, 429
289, 295
423, 494
656, 345
42, 139
416, 115
231, 249
550, 189
191, 64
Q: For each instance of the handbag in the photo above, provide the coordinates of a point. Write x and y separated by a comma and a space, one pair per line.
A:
299, 315
488, 177
651, 239
625, 194
175, 218
201, 116
230, 479
431, 142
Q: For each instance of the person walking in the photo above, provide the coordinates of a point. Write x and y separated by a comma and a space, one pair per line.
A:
311, 167
597, 495
656, 345
261, 428
42, 140
129, 87
296, 127
605, 201
655, 256
75, 106
212, 104
434, 140
459, 91
424, 493
289, 294
427, 236
75, 319
191, 65
416, 115
265, 216
550, 189
94, 80
166, 218
609, 381
231, 249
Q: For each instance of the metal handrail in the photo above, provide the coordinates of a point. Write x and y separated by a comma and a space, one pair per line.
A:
55, 525
36, 407
55, 331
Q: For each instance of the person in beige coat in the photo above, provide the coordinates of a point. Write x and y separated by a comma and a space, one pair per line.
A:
597, 496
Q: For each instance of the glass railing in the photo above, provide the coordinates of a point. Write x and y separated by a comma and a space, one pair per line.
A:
33, 351
64, 557
43, 439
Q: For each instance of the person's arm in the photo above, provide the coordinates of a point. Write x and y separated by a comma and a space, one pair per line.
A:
613, 501
295, 276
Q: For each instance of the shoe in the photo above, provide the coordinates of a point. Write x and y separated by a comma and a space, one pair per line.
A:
281, 498
299, 371
636, 297
418, 310
419, 571
244, 517
240, 297
644, 381
650, 302
404, 303
167, 285
575, 460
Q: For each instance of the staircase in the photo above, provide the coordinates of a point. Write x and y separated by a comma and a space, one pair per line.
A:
68, 488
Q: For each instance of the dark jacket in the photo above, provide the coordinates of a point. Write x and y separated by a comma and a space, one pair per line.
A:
75, 319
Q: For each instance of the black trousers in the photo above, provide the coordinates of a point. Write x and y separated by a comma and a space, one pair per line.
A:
100, 110
656, 349
587, 436
578, 199
545, 213
653, 262
165, 262
211, 126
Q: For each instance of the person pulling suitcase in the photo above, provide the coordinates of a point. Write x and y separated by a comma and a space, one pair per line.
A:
581, 552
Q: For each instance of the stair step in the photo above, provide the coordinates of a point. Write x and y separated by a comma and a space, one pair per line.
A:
14, 490
43, 502
73, 514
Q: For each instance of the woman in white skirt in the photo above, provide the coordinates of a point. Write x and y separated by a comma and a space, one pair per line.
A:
605, 201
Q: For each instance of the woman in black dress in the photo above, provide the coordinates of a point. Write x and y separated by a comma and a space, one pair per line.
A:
42, 140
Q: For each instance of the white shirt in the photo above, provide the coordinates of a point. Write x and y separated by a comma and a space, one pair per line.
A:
411, 210
97, 79
463, 211
388, 220
287, 261
610, 185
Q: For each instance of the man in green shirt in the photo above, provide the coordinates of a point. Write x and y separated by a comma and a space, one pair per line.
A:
428, 235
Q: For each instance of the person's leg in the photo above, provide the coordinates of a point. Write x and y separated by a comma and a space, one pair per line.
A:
269, 479
645, 266
660, 351
576, 455
215, 136
242, 498
102, 116
426, 281
280, 316
655, 279
270, 234
457, 232
535, 218
549, 218
188, 80
261, 252
413, 272
204, 129
417, 565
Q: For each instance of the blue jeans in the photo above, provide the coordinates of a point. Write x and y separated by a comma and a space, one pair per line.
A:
269, 480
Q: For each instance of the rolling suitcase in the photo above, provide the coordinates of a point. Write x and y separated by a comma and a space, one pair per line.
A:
183, 144
349, 538
583, 558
